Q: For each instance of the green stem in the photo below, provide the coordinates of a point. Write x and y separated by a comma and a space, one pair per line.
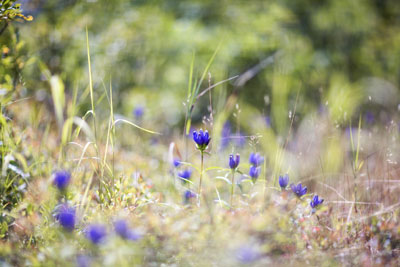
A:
232, 187
201, 173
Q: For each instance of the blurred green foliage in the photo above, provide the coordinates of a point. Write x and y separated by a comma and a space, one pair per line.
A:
146, 47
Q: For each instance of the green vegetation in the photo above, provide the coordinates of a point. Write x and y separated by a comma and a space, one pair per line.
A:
103, 164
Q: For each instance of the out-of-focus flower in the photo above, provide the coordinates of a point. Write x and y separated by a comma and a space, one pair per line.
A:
255, 159
83, 261
254, 172
96, 233
225, 135
283, 181
138, 112
177, 162
299, 190
188, 195
267, 121
185, 175
122, 229
234, 161
247, 254
315, 202
61, 179
202, 139
369, 117
66, 217
240, 140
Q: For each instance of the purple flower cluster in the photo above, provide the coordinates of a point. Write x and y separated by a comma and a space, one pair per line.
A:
122, 229
255, 160
188, 195
316, 201
284, 181
96, 233
298, 189
61, 179
185, 175
66, 217
202, 139
234, 161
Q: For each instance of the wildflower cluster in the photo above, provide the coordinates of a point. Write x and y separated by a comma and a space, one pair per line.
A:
62, 179
255, 160
299, 190
202, 139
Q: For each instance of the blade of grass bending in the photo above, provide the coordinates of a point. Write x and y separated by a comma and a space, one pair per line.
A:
135, 125
215, 85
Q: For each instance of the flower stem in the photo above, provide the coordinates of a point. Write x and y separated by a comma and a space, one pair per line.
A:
232, 187
201, 173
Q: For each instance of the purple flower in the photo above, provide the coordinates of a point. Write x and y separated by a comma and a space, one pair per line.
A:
177, 162
247, 254
315, 202
202, 139
268, 121
96, 233
240, 140
225, 135
369, 117
188, 195
122, 229
83, 261
255, 159
299, 190
254, 172
138, 112
61, 179
234, 161
66, 217
283, 181
185, 175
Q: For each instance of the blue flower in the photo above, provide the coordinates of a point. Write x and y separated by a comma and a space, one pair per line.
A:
225, 135
96, 233
122, 229
369, 117
283, 181
202, 139
254, 172
299, 190
177, 162
247, 254
66, 217
61, 179
185, 175
83, 261
267, 120
138, 112
315, 202
255, 159
234, 161
188, 195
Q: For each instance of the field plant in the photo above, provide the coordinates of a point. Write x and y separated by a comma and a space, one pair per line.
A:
95, 173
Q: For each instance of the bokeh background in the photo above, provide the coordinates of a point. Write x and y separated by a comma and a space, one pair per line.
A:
340, 53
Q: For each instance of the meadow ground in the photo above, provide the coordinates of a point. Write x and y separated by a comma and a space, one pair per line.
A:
149, 183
